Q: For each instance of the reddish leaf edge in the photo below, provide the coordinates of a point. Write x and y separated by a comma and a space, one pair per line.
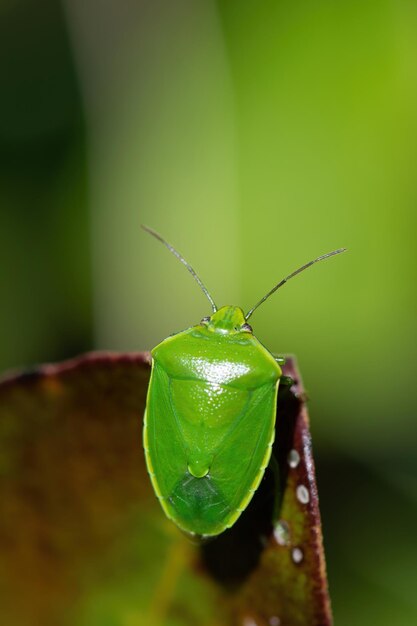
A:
87, 359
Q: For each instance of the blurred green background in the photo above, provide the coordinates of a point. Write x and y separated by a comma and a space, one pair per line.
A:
253, 136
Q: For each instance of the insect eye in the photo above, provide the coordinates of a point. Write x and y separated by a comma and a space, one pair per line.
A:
205, 320
247, 328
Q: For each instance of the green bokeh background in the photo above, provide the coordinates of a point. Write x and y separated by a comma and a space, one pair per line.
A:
254, 136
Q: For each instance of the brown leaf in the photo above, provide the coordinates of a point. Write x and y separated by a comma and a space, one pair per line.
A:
83, 540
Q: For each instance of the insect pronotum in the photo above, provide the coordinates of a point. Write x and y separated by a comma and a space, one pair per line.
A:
209, 423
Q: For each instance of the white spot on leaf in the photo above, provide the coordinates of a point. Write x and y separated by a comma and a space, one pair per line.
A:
293, 459
297, 555
282, 533
303, 495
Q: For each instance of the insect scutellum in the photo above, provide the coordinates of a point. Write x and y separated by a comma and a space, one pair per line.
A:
227, 318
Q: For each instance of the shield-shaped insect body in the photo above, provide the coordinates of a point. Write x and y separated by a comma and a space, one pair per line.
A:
210, 415
210, 421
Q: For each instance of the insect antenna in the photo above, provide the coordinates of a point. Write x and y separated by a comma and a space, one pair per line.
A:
184, 262
287, 278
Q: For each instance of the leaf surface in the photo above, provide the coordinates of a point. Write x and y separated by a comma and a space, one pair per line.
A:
83, 540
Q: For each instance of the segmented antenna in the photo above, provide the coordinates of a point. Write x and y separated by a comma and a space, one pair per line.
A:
184, 262
284, 280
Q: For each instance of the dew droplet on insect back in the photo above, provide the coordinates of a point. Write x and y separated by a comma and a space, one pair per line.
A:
282, 533
303, 495
293, 458
297, 555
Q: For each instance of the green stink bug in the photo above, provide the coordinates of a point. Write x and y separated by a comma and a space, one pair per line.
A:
209, 423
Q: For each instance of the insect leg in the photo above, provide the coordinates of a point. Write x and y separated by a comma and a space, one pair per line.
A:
286, 381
